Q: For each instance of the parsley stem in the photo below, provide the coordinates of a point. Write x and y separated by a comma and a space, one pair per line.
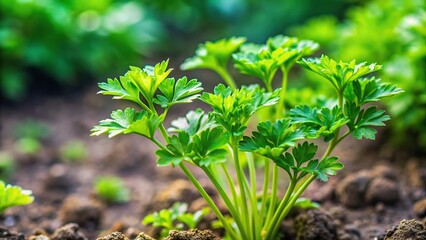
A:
270, 222
225, 198
274, 192
230, 182
266, 174
158, 143
280, 110
240, 177
210, 202
144, 106
290, 204
253, 183
224, 74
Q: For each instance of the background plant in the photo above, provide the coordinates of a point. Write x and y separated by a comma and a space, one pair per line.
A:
398, 41
176, 217
217, 140
111, 189
12, 195
73, 151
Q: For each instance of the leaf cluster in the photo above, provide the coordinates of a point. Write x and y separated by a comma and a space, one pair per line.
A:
262, 61
213, 55
11, 196
233, 108
339, 74
175, 217
274, 141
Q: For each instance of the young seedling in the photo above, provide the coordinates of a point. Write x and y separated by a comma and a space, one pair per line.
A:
217, 141
11, 196
111, 190
73, 151
175, 217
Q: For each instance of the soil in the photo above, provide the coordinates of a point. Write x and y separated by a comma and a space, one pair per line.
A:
377, 189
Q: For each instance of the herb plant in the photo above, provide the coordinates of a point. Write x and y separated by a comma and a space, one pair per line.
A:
11, 196
218, 141
73, 151
175, 217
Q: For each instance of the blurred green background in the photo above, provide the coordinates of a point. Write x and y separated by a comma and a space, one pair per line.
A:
53, 45
49, 46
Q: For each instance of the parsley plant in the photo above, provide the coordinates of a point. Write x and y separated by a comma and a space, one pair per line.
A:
218, 141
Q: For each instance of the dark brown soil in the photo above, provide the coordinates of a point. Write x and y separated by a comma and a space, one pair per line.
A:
375, 191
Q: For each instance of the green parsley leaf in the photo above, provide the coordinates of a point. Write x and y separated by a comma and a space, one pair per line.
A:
192, 123
120, 89
324, 122
361, 120
208, 146
179, 149
339, 74
271, 139
178, 92
128, 121
148, 79
364, 90
213, 55
11, 196
233, 108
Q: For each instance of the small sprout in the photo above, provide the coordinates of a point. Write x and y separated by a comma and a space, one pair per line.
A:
11, 196
28, 145
73, 151
112, 190
175, 217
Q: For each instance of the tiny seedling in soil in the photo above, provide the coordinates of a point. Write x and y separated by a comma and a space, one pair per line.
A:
112, 190
219, 142
175, 217
73, 151
11, 196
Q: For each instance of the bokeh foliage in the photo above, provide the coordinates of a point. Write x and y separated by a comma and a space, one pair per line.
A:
392, 32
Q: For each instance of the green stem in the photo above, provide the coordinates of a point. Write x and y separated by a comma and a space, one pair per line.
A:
230, 182
273, 194
289, 206
269, 224
224, 74
210, 202
225, 198
241, 183
158, 143
164, 133
280, 110
265, 188
253, 183
144, 106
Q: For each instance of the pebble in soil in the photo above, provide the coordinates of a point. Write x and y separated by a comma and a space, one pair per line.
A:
407, 230
114, 236
68, 232
86, 212
194, 234
419, 208
315, 225
6, 234
368, 187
